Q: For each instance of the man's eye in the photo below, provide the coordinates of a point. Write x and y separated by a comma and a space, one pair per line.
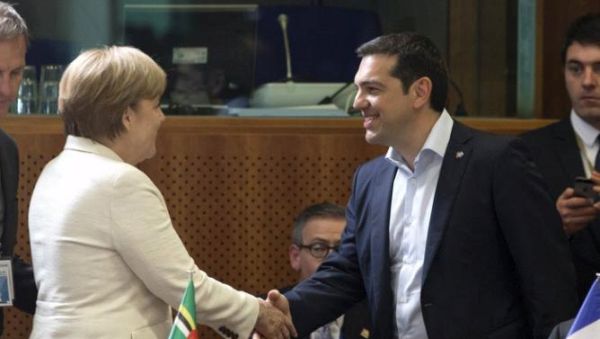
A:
575, 69
319, 247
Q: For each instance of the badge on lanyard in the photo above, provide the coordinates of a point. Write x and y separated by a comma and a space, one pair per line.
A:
6, 283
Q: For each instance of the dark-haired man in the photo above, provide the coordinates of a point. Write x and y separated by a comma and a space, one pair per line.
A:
316, 233
451, 234
569, 148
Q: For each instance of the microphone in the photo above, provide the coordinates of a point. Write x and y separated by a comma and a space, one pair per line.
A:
329, 99
283, 21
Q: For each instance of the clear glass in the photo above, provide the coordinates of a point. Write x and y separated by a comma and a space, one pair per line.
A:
28, 92
49, 80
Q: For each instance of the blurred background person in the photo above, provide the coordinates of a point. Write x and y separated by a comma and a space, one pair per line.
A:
107, 260
14, 37
570, 148
317, 231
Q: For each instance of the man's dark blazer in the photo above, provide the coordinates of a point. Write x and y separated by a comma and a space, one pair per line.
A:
357, 323
496, 262
561, 330
557, 155
24, 283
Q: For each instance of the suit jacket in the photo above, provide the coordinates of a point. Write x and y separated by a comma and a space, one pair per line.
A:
561, 330
24, 284
357, 323
107, 261
557, 155
496, 262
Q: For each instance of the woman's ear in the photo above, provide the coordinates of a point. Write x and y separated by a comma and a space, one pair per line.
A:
127, 117
422, 92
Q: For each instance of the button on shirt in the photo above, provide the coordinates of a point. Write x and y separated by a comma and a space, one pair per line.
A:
412, 200
587, 137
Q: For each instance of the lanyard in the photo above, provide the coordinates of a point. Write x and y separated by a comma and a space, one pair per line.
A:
587, 163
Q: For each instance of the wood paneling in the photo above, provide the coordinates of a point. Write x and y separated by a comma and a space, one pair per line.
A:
232, 185
478, 54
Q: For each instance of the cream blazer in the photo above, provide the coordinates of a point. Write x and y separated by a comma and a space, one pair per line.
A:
107, 261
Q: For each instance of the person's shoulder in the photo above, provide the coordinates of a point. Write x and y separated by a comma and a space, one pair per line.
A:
6, 140
128, 174
375, 164
479, 139
372, 169
489, 148
542, 133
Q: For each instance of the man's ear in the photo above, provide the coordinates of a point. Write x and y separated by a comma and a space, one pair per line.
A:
421, 89
294, 252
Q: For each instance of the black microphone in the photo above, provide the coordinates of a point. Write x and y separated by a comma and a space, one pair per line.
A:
283, 21
329, 99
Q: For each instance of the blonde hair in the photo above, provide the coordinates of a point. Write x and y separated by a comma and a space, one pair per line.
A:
100, 84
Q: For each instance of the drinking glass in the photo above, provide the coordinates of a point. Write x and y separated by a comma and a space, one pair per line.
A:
50, 77
27, 95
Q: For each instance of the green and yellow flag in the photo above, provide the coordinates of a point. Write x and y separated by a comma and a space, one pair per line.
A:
184, 326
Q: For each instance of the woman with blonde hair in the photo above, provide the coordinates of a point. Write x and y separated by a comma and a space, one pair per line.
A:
107, 261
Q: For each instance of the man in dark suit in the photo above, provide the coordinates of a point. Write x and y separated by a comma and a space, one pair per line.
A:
451, 234
316, 233
13, 45
569, 148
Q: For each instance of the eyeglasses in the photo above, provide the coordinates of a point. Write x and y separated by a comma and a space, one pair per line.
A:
319, 250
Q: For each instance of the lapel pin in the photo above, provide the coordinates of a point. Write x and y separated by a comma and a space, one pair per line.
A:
460, 154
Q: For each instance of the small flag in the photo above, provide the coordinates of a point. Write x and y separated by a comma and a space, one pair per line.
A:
587, 322
184, 326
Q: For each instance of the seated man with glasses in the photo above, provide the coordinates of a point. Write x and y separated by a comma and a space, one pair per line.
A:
317, 232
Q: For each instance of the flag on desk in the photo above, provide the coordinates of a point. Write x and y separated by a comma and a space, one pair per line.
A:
587, 322
184, 326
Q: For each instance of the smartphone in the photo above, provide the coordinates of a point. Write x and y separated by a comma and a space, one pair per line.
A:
584, 187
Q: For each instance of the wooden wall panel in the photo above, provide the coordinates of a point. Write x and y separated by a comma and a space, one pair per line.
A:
232, 186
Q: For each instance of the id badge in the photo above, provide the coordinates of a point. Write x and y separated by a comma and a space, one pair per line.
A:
7, 293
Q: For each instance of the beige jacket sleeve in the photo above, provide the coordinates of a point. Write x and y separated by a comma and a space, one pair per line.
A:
145, 238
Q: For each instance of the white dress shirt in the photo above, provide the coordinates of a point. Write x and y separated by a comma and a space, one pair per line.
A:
333, 330
587, 136
412, 200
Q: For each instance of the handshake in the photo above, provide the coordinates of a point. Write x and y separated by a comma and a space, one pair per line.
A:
274, 318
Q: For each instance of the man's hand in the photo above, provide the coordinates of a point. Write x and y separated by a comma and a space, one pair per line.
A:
274, 318
576, 212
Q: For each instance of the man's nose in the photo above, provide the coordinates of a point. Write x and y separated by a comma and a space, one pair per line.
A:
359, 101
5, 86
590, 78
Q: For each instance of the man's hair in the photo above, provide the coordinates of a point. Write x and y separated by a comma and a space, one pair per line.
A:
584, 30
416, 57
100, 84
324, 210
12, 24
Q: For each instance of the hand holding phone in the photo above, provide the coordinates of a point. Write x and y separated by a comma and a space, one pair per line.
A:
584, 187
